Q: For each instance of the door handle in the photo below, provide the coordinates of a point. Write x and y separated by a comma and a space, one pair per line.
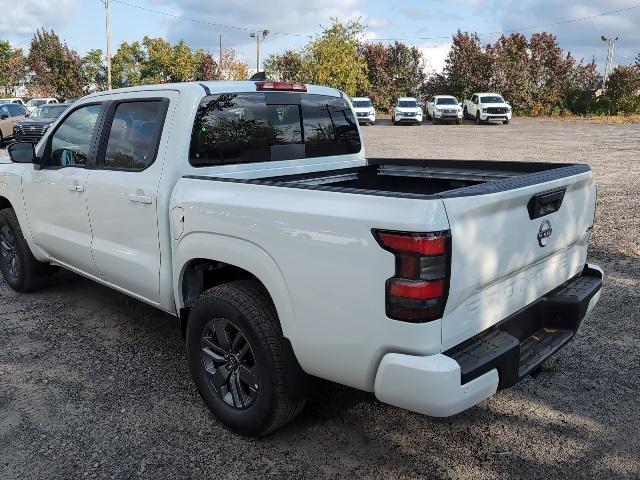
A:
138, 198
76, 188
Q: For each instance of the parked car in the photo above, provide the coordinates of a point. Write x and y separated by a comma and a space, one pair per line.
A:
10, 114
444, 108
365, 113
12, 100
31, 129
249, 211
36, 102
485, 107
407, 110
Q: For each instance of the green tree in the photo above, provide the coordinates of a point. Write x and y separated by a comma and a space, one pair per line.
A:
622, 96
12, 67
333, 59
57, 70
406, 67
286, 67
94, 71
127, 65
580, 96
159, 58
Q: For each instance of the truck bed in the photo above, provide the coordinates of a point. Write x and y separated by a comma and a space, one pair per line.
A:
421, 178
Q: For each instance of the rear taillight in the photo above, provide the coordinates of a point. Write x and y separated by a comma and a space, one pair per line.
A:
281, 86
418, 291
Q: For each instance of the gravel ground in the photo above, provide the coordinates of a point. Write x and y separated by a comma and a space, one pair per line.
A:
95, 385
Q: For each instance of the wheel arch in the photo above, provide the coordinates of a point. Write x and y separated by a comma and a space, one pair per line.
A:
203, 260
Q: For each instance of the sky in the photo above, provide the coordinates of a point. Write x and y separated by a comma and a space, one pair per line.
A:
427, 24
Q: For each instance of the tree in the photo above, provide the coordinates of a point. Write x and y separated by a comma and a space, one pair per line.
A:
467, 67
159, 57
206, 66
549, 70
622, 95
379, 75
286, 67
127, 65
232, 67
57, 70
333, 58
94, 71
12, 67
580, 96
510, 60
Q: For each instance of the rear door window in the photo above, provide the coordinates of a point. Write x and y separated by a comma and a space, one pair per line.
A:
261, 127
134, 135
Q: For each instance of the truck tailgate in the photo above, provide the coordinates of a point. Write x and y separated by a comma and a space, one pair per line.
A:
513, 241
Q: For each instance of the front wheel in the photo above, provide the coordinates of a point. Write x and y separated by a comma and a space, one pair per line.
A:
434, 121
505, 122
21, 270
458, 121
238, 359
465, 114
478, 122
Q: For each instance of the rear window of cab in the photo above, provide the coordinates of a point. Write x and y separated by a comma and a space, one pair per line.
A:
233, 128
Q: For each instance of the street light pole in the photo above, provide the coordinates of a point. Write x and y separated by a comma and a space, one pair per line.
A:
107, 28
611, 45
259, 36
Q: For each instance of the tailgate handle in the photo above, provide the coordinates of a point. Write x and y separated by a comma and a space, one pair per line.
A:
545, 203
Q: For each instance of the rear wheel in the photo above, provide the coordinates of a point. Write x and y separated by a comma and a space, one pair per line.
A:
237, 359
20, 269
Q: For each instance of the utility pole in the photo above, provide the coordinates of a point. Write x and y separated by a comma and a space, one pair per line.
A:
220, 63
259, 36
611, 45
107, 25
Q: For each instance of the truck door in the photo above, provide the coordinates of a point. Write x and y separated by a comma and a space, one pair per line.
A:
55, 195
122, 192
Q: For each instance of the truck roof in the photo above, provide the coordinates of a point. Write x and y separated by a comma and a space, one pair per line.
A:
406, 98
361, 98
212, 87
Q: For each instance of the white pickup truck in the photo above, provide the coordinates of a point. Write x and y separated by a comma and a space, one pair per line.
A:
486, 107
249, 211
444, 108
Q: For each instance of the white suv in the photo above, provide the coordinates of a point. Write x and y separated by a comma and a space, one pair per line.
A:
365, 113
407, 110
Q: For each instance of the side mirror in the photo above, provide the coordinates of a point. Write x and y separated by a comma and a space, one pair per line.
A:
22, 152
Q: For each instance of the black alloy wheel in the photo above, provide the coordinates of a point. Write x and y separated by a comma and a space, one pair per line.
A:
229, 363
9, 252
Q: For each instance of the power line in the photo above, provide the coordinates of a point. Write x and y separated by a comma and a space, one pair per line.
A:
519, 29
205, 22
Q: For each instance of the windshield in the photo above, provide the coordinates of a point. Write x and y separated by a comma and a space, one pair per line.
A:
48, 111
36, 103
446, 101
492, 99
407, 104
362, 104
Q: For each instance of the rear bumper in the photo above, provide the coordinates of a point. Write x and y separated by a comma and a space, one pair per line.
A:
448, 383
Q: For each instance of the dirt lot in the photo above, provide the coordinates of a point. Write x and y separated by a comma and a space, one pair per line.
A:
95, 385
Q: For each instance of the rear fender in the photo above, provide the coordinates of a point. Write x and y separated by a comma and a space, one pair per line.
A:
240, 253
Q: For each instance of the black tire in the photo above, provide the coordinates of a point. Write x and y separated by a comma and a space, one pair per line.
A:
458, 121
505, 122
465, 114
478, 122
1, 140
21, 270
434, 120
246, 308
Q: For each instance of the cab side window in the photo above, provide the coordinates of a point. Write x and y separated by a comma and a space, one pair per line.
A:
16, 110
134, 135
4, 112
72, 139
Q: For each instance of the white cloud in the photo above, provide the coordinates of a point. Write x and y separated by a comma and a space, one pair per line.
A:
435, 54
19, 22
